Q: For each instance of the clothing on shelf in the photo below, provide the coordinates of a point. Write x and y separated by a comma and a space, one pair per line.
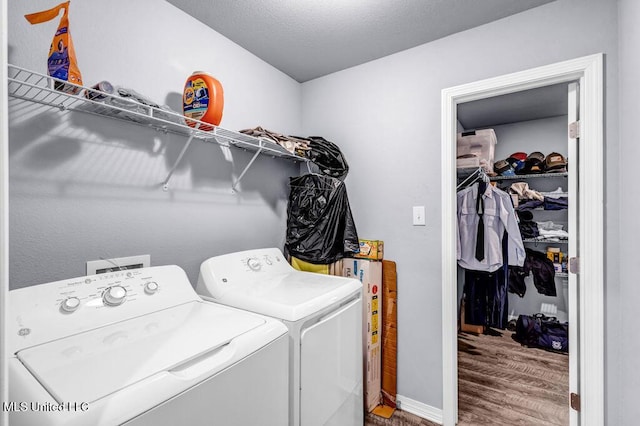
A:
553, 203
547, 204
557, 193
549, 229
524, 192
530, 205
497, 218
292, 144
528, 228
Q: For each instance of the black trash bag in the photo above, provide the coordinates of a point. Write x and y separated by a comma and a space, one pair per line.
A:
320, 227
327, 156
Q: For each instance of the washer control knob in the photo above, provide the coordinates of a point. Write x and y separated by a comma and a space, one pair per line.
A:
70, 304
254, 264
151, 287
114, 296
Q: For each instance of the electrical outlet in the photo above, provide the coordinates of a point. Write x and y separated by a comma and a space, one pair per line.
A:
118, 264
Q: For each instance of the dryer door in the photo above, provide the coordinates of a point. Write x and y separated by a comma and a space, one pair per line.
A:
331, 369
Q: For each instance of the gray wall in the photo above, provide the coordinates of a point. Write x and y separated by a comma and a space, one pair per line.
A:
386, 116
83, 187
624, 294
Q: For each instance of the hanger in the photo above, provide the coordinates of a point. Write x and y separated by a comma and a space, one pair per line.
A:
476, 175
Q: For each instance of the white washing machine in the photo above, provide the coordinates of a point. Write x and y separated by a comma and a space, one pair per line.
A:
140, 347
324, 317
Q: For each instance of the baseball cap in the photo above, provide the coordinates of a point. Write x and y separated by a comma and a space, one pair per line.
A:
555, 163
534, 163
519, 156
516, 165
503, 168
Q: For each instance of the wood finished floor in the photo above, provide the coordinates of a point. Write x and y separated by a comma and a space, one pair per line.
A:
502, 383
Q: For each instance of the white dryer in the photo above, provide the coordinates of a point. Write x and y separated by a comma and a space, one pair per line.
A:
139, 347
324, 317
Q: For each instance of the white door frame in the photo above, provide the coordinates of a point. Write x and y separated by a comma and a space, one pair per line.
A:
589, 71
4, 208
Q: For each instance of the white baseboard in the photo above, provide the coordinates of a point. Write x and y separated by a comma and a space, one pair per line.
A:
419, 409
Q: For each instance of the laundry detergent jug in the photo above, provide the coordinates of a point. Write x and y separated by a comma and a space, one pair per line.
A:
203, 100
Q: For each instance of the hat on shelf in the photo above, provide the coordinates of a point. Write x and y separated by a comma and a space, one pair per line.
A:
519, 156
555, 163
534, 163
503, 168
517, 161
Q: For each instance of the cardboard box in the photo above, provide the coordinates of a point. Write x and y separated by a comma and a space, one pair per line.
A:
389, 333
371, 249
369, 273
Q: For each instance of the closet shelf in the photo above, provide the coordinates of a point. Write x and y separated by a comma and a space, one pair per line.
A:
555, 194
533, 176
546, 240
25, 86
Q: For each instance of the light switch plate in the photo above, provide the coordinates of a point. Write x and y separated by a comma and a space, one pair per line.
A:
418, 216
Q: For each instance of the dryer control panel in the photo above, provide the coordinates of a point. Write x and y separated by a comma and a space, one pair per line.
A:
61, 308
265, 261
246, 267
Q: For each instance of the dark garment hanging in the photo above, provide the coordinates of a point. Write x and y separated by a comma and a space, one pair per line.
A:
543, 275
516, 280
543, 272
486, 298
320, 227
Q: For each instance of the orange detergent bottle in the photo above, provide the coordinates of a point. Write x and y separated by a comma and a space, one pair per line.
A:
202, 100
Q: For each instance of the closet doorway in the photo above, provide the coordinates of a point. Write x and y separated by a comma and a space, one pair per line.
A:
585, 291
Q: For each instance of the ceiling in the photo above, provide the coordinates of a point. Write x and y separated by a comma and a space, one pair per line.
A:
307, 39
533, 104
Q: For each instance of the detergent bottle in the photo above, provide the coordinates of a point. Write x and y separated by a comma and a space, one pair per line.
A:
203, 100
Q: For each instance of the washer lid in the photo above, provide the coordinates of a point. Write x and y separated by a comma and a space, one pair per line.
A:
89, 366
291, 296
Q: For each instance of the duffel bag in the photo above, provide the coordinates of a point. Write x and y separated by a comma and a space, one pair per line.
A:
555, 335
543, 332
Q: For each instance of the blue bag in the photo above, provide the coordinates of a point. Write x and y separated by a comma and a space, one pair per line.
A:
543, 332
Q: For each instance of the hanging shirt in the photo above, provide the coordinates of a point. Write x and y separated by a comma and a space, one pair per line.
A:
498, 217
